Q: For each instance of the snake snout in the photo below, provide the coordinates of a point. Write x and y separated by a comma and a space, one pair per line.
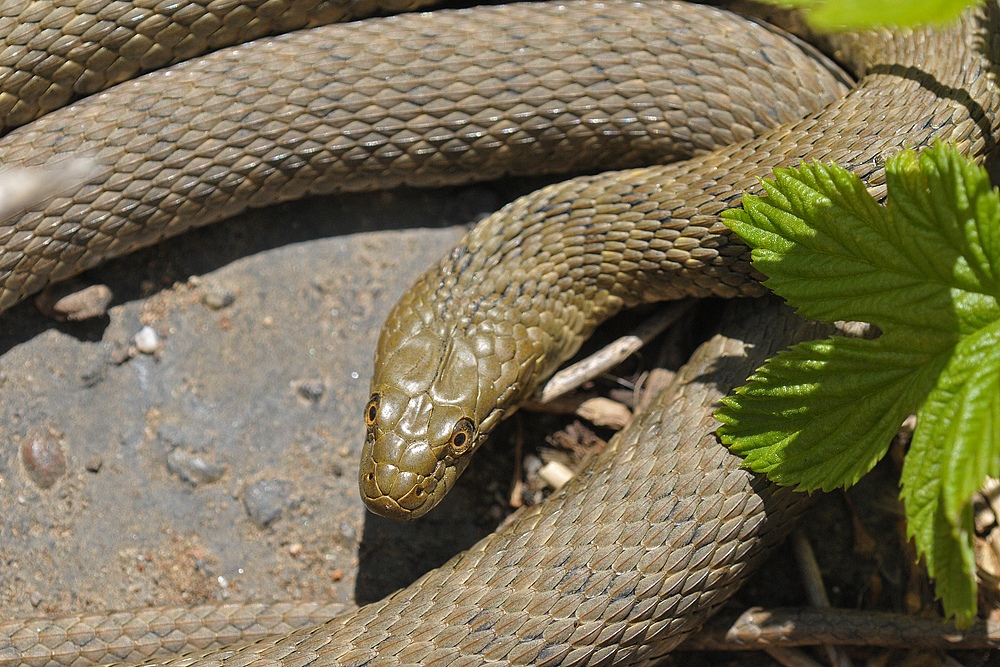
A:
400, 480
387, 507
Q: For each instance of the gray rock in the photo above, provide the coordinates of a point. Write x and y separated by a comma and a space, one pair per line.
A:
265, 500
194, 469
218, 297
43, 456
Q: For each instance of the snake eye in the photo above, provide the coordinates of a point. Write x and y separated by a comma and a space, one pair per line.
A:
371, 410
462, 436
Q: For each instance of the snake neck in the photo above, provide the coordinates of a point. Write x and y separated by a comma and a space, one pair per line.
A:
457, 364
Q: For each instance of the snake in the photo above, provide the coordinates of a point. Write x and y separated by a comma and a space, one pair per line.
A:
652, 537
519, 295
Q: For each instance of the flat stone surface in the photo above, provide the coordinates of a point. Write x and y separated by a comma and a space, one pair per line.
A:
252, 399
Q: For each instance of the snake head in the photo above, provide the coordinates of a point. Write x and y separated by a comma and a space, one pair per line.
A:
424, 420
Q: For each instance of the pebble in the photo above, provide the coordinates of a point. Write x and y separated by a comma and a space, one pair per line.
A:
94, 375
265, 500
218, 297
555, 474
348, 530
180, 435
120, 353
74, 301
94, 464
147, 340
311, 390
194, 469
43, 457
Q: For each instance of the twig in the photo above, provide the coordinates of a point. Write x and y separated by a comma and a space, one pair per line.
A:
757, 629
812, 579
597, 410
611, 355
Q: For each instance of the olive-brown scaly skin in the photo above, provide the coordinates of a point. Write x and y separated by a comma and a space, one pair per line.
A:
662, 528
418, 99
54, 52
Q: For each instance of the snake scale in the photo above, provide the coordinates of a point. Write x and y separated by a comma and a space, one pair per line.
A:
657, 532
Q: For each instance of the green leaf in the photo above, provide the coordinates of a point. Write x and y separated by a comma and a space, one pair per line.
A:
860, 14
852, 260
952, 563
962, 410
822, 414
924, 269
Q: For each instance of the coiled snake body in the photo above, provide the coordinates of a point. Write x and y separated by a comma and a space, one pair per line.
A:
658, 531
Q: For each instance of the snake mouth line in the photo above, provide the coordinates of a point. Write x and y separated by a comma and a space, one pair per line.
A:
387, 507
387, 491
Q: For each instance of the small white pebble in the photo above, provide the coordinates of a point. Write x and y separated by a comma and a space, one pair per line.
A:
555, 474
223, 582
295, 548
147, 340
